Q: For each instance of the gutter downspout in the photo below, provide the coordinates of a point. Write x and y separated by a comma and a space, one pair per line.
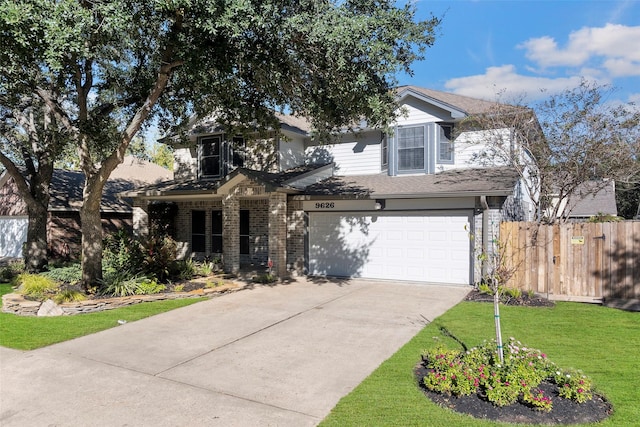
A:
485, 236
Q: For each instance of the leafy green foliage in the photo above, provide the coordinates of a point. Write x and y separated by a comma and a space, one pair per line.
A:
69, 295
122, 255
35, 285
159, 255
479, 370
149, 287
121, 286
10, 271
71, 274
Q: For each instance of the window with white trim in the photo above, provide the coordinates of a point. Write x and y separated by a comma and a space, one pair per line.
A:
445, 143
411, 148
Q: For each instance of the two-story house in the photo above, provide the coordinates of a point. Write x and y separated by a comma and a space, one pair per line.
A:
400, 205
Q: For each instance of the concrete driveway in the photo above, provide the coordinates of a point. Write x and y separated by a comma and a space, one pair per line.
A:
267, 356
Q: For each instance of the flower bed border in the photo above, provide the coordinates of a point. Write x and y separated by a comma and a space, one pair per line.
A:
18, 305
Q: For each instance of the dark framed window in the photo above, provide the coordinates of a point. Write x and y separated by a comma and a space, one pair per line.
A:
210, 156
445, 143
198, 231
216, 232
244, 232
218, 156
411, 148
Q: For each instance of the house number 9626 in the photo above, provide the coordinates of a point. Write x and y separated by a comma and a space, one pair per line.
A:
325, 205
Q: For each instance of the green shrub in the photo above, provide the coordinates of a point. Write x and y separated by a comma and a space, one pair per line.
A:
71, 274
183, 269
178, 288
512, 293
159, 256
121, 286
149, 287
69, 295
35, 285
10, 271
485, 288
479, 371
204, 269
122, 254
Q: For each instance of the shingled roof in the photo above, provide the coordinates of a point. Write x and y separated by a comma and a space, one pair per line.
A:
466, 104
66, 185
499, 181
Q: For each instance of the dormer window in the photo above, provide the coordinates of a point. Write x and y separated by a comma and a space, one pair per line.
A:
218, 156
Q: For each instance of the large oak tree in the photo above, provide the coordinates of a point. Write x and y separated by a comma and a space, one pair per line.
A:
105, 67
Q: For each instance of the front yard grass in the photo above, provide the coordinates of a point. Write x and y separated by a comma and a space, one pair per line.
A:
28, 333
602, 342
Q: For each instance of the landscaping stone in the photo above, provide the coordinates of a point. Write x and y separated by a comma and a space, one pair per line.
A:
50, 308
17, 304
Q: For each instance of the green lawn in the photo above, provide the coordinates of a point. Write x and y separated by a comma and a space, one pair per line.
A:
602, 342
28, 333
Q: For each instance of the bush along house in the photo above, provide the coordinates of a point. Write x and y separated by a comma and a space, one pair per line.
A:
398, 205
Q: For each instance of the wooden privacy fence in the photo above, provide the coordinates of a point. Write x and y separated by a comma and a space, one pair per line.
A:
589, 262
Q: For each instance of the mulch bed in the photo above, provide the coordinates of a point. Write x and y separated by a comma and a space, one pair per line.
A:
564, 411
524, 300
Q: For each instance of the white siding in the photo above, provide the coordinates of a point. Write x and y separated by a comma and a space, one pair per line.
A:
469, 146
291, 153
414, 111
355, 156
185, 163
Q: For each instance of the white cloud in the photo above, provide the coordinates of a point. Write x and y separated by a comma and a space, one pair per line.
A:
613, 43
505, 82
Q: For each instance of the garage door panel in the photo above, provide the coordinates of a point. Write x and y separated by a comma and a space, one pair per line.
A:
421, 246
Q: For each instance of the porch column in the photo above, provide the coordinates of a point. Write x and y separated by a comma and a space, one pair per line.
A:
140, 221
231, 233
278, 233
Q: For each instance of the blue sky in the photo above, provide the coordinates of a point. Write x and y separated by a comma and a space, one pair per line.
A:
524, 47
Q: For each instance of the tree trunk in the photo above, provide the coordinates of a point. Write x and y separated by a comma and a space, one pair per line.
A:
91, 225
35, 249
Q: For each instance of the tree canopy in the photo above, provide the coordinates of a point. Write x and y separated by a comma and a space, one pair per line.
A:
559, 144
105, 67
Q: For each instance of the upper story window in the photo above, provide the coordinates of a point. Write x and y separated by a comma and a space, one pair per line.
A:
445, 143
411, 148
384, 152
418, 148
217, 156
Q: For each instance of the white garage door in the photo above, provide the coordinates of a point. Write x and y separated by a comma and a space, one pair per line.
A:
13, 233
420, 246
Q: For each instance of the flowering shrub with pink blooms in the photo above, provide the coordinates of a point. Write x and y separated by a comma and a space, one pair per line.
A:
479, 370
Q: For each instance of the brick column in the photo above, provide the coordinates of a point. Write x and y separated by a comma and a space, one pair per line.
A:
231, 232
278, 233
295, 236
140, 217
